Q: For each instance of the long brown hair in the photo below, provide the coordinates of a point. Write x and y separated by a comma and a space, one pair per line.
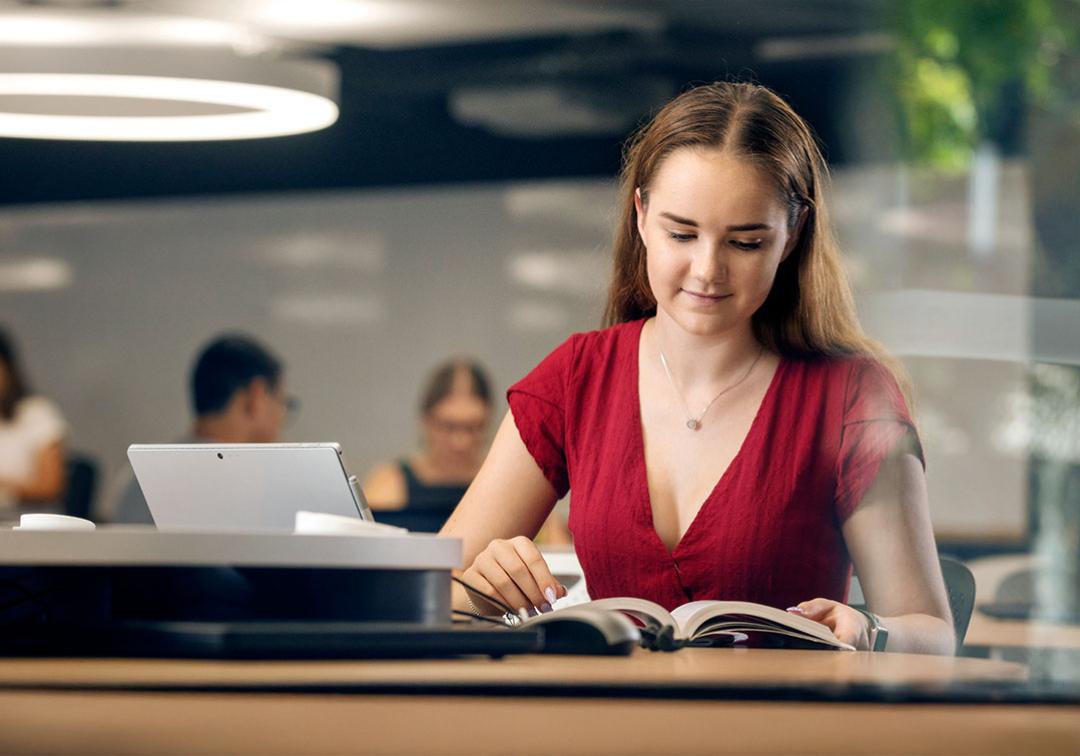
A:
810, 311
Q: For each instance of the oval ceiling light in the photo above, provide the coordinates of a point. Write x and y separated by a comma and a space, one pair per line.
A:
268, 111
69, 27
117, 95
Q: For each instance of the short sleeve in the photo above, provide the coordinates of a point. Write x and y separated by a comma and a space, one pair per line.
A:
40, 422
538, 404
876, 420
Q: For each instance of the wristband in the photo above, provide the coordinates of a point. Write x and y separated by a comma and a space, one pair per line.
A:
471, 605
879, 634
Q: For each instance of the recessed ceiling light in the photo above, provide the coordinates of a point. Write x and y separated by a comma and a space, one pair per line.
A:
545, 110
346, 310
34, 274
555, 270
536, 316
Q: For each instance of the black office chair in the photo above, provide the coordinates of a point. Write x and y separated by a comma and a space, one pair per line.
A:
1017, 588
82, 473
959, 586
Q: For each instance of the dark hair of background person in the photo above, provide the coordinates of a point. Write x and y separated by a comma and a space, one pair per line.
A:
810, 311
16, 388
226, 365
441, 383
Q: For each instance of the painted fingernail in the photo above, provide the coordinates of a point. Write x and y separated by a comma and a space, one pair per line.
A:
545, 607
795, 610
549, 594
523, 613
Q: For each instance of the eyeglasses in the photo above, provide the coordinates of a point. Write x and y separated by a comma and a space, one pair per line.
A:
292, 409
450, 427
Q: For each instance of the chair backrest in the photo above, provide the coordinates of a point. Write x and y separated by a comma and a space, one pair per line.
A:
960, 586
81, 482
1017, 588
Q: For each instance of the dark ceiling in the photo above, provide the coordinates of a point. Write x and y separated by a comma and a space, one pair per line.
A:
398, 127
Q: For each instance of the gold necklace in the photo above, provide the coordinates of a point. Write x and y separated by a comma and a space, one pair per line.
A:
693, 423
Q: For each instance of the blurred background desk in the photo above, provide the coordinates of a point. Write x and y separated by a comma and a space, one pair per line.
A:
697, 700
989, 633
1011, 578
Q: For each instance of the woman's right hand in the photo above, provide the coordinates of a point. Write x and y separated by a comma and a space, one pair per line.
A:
515, 572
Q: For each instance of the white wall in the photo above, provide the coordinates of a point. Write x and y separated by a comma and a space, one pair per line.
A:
362, 292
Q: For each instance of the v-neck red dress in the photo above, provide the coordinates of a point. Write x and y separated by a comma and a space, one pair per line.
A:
770, 530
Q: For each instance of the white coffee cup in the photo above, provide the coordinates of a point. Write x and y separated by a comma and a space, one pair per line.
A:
53, 522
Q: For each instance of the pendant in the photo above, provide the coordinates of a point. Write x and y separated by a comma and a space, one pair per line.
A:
693, 424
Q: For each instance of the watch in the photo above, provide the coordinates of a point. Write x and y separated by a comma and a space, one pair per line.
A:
879, 634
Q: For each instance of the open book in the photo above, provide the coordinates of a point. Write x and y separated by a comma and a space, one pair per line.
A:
724, 623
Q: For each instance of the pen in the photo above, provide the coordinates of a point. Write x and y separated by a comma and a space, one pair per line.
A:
361, 502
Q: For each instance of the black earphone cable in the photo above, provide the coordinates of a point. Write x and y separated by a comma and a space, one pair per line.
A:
490, 599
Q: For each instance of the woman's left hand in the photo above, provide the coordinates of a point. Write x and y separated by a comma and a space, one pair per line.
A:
847, 624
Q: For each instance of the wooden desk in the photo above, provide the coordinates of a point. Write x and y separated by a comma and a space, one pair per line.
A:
989, 572
994, 633
988, 632
689, 669
693, 701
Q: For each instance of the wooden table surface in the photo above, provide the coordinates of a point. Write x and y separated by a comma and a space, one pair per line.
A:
526, 704
270, 724
998, 633
690, 667
989, 572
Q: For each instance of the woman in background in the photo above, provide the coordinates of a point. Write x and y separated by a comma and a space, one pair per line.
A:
31, 441
420, 492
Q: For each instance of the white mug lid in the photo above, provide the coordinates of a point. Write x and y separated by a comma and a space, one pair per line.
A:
322, 523
39, 521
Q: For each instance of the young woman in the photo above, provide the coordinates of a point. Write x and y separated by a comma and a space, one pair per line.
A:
732, 434
31, 441
420, 492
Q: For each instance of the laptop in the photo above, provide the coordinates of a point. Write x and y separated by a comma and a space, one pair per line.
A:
242, 486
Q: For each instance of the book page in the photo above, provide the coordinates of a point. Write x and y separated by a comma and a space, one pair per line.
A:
741, 616
648, 612
576, 595
744, 627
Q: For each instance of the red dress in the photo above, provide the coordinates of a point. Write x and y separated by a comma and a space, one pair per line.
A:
770, 530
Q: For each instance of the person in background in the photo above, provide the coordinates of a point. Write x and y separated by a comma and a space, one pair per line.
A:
420, 492
31, 441
238, 396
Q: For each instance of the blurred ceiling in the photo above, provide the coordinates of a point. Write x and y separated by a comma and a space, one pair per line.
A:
435, 92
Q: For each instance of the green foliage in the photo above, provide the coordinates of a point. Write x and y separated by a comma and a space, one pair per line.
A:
941, 118
959, 60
